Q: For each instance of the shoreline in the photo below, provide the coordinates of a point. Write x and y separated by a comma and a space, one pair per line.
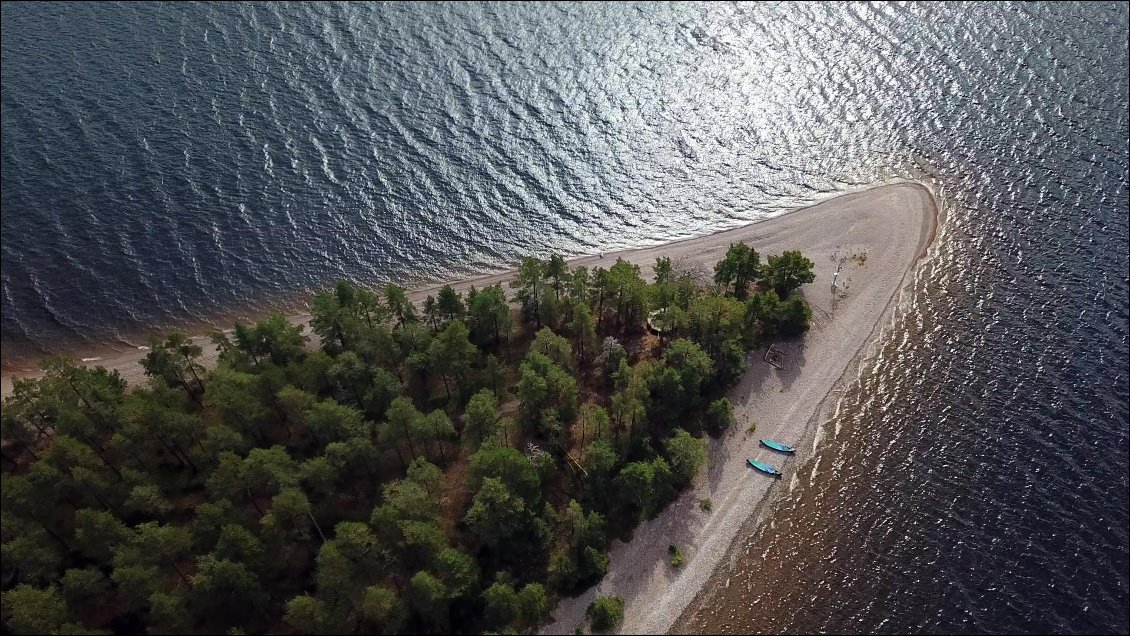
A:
125, 356
893, 223
787, 404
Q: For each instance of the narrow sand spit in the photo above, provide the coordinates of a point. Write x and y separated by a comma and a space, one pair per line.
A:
892, 225
875, 236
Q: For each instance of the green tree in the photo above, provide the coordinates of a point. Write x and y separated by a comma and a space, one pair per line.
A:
501, 605
664, 270
512, 467
436, 430
174, 360
422, 542
381, 611
550, 308
594, 425
533, 606
694, 367
426, 475
738, 269
481, 417
646, 486
136, 583
329, 421
307, 614
718, 324
489, 315
430, 598
458, 571
787, 272
232, 393
29, 550
599, 461
796, 317
83, 588
606, 612
528, 284
450, 303
628, 293
578, 558
554, 347
583, 328
98, 532
350, 375
545, 385
34, 610
577, 285
168, 613
333, 317
266, 471
557, 271
496, 515
367, 308
763, 315
720, 414
238, 544
275, 339
153, 544
405, 418
414, 341
226, 588
147, 499
687, 454
452, 354
431, 312
493, 375
399, 304
629, 404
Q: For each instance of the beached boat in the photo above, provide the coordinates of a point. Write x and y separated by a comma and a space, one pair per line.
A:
765, 468
777, 446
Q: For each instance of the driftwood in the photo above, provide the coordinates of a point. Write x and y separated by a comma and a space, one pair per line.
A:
771, 356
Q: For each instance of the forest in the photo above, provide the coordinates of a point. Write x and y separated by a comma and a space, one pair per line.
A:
453, 467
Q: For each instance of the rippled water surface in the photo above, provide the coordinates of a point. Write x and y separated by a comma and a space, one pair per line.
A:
166, 163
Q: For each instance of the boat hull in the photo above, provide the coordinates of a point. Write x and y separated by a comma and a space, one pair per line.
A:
765, 468
777, 446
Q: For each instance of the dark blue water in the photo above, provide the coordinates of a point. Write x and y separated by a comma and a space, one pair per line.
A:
167, 164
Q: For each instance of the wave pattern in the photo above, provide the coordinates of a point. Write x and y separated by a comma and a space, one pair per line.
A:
165, 164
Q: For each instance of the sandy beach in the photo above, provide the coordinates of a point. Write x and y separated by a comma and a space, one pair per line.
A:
875, 236
892, 225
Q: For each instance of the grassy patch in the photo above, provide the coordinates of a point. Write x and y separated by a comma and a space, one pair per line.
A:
706, 504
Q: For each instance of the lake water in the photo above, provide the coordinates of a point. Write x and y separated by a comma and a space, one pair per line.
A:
169, 164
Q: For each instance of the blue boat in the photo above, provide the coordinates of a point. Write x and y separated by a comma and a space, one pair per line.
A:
765, 468
778, 446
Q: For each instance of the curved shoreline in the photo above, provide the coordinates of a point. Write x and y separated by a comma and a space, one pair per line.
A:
827, 409
127, 360
878, 221
788, 404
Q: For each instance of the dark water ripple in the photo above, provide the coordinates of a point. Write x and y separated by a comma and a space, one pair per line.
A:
164, 164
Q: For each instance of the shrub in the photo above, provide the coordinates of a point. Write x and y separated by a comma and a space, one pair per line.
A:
720, 415
677, 558
606, 612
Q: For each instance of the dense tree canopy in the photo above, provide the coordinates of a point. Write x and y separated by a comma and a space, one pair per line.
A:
457, 471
